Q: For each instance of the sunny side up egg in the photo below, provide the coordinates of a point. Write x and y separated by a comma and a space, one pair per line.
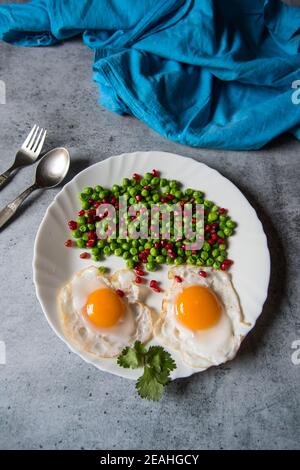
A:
96, 319
201, 317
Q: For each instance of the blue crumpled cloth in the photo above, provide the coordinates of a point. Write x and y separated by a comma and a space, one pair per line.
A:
210, 73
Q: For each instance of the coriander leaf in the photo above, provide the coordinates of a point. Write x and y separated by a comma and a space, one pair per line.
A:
132, 357
148, 387
160, 359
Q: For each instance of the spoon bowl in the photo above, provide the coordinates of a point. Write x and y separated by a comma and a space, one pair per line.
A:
53, 168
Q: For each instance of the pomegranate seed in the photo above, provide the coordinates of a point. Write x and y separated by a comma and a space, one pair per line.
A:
72, 225
153, 283
138, 197
169, 197
113, 200
132, 218
227, 262
202, 273
136, 177
162, 199
220, 241
183, 246
163, 243
156, 244
147, 187
139, 272
68, 243
90, 220
91, 243
222, 211
211, 241
223, 267
147, 252
155, 173
194, 252
138, 280
207, 228
91, 235
214, 237
169, 246
156, 289
182, 203
83, 255
81, 213
91, 212
97, 204
178, 279
91, 201
120, 292
214, 226
171, 255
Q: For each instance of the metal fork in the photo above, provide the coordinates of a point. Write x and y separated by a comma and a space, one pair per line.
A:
28, 153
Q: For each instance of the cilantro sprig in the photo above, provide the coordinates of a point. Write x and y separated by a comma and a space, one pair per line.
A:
157, 364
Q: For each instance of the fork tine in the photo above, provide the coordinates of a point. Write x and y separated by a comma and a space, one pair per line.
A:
26, 142
38, 150
37, 140
33, 139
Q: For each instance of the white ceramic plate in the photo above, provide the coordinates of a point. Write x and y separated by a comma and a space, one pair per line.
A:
53, 264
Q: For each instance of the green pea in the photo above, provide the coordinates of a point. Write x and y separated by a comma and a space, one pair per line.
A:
135, 258
178, 260
169, 260
178, 194
102, 269
80, 243
191, 260
155, 197
208, 203
216, 265
96, 257
101, 243
153, 251
87, 190
130, 263
148, 246
160, 259
212, 216
91, 226
150, 258
125, 246
81, 220
95, 197
113, 246
76, 233
163, 182
131, 200
85, 205
221, 234
95, 250
206, 246
223, 218
151, 266
204, 255
164, 251
98, 188
135, 243
174, 184
148, 177
144, 193
85, 237
189, 191
166, 189
106, 250
215, 208
180, 251
102, 194
126, 255
198, 194
200, 262
209, 262
222, 247
118, 252
228, 232
83, 196
222, 225
125, 182
133, 251
230, 224
220, 259
215, 253
199, 200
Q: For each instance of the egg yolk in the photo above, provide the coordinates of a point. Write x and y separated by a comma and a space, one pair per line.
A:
198, 308
104, 308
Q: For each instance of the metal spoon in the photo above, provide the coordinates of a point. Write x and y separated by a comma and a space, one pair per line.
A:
51, 171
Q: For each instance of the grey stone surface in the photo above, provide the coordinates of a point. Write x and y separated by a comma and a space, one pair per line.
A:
49, 398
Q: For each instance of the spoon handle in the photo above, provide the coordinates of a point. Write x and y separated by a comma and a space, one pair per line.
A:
9, 211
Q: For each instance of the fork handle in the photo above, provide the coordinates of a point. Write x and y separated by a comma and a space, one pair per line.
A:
9, 211
4, 177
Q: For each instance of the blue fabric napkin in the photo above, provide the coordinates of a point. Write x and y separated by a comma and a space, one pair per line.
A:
211, 73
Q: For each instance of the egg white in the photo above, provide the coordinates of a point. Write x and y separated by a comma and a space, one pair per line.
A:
136, 324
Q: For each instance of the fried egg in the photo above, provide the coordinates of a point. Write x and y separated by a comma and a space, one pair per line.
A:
201, 317
101, 315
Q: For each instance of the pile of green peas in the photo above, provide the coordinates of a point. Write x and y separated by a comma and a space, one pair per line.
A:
151, 189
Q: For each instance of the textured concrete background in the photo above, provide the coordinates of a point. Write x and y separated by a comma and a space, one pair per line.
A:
49, 398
